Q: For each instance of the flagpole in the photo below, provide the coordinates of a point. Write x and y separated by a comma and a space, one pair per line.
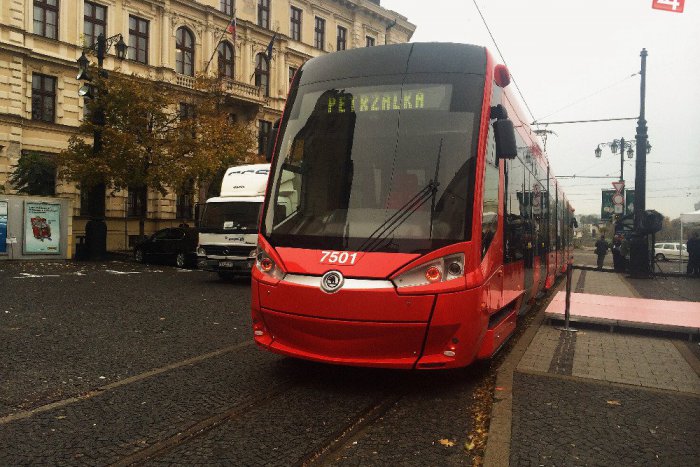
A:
216, 47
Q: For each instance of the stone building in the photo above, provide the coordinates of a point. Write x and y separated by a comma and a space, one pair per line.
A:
172, 41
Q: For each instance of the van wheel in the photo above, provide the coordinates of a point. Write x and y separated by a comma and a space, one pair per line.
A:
660, 257
225, 276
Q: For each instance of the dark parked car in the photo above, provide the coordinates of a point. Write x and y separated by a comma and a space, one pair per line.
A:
176, 243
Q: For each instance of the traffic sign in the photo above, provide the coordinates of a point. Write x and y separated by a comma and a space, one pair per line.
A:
618, 186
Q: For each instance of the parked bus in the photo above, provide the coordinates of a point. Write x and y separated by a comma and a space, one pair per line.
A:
425, 214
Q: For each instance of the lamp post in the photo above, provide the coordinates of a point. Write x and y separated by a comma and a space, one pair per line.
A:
615, 145
96, 228
640, 259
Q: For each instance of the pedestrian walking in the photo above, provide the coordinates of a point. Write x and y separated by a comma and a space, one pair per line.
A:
618, 259
601, 249
693, 248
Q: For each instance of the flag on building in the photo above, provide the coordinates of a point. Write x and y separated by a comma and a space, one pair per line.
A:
270, 46
231, 29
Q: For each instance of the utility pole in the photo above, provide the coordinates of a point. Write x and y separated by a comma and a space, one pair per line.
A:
639, 245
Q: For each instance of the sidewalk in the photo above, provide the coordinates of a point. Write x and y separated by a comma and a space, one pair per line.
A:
596, 397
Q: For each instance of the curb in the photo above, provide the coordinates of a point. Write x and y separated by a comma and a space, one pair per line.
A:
499, 436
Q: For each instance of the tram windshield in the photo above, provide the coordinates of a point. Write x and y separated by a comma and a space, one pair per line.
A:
377, 164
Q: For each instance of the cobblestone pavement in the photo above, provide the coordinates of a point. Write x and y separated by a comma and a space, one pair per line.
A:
118, 363
598, 398
559, 421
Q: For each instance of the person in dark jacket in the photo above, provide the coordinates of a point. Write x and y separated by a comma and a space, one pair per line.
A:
693, 247
601, 249
618, 259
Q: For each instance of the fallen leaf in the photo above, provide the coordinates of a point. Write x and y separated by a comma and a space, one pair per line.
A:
469, 445
447, 442
613, 402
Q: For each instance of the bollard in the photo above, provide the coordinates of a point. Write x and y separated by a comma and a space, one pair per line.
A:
567, 309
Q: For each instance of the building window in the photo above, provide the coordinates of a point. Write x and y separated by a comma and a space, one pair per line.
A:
136, 202
46, 18
264, 13
370, 41
225, 52
186, 111
138, 39
43, 97
95, 22
292, 72
342, 38
262, 73
320, 33
184, 52
226, 6
295, 24
84, 202
263, 135
34, 174
185, 202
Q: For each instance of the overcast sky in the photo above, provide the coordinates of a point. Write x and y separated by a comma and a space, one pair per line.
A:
574, 60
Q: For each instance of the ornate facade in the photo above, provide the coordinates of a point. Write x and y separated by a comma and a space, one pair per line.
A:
169, 40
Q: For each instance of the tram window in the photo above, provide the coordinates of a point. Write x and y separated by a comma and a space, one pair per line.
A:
489, 221
516, 225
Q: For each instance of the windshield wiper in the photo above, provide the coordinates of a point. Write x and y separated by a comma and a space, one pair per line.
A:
374, 241
437, 171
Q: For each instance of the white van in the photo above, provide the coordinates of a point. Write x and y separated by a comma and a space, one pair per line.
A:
228, 225
667, 251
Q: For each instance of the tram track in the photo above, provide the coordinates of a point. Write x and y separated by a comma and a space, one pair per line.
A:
323, 454
202, 427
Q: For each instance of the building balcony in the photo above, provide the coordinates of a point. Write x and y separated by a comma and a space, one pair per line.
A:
233, 88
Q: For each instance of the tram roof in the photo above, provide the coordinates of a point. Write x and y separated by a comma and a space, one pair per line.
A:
396, 59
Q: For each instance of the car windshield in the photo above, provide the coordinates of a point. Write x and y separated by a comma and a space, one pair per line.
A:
378, 164
230, 217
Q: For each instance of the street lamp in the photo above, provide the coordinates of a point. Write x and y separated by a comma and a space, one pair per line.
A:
619, 145
96, 227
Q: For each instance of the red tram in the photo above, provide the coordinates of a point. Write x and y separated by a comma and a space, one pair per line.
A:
411, 214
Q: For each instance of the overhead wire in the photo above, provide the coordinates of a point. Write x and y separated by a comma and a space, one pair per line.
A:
503, 59
589, 96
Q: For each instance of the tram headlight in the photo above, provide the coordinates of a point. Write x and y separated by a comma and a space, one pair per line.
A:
267, 265
438, 270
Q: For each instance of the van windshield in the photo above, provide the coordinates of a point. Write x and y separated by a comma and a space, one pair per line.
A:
230, 217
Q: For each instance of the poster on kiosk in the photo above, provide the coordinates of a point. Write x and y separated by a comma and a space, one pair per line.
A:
42, 228
3, 227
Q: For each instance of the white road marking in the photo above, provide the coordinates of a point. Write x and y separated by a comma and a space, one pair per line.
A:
26, 275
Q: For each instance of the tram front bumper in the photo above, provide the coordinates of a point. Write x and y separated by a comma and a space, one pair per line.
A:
370, 329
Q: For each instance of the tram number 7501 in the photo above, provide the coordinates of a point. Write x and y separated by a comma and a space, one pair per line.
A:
338, 257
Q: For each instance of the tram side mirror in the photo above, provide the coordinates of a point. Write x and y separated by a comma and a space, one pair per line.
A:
271, 140
574, 223
504, 133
